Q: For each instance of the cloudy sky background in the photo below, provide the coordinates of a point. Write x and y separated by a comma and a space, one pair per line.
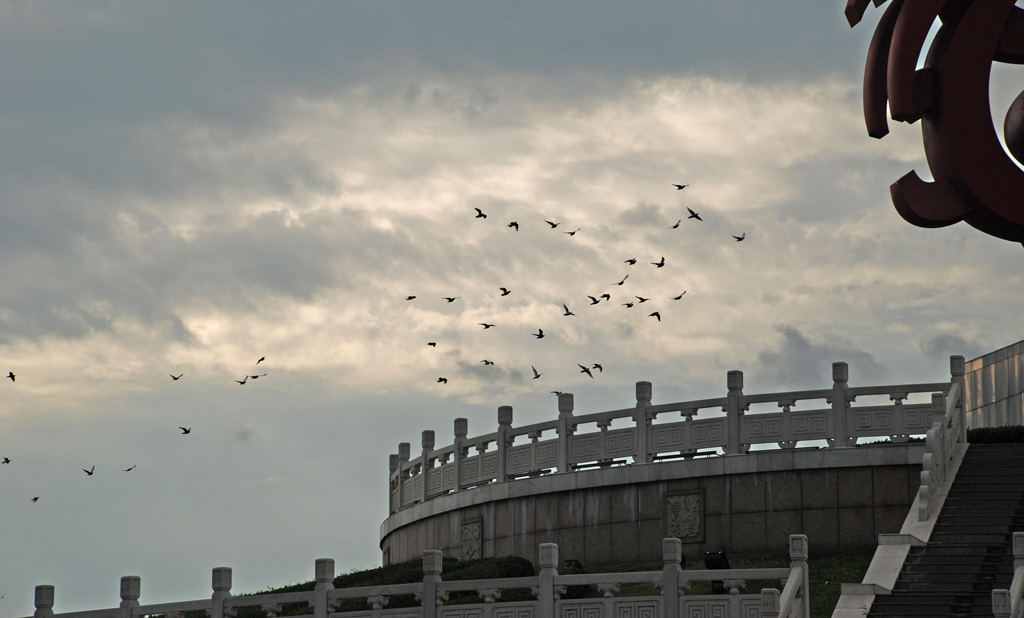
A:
188, 186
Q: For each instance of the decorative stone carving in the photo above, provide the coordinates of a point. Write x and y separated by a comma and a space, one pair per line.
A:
471, 539
684, 516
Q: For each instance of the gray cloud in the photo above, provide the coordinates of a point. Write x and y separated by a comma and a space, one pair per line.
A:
800, 362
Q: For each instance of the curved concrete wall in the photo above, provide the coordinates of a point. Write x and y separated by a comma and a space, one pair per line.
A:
839, 497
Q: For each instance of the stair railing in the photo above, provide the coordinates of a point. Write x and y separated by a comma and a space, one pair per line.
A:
1010, 603
947, 436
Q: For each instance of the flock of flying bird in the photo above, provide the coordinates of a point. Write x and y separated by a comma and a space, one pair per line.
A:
184, 430
584, 369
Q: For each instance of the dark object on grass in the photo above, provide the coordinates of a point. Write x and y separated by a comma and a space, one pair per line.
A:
716, 560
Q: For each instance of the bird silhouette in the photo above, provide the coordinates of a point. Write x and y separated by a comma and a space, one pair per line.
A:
641, 299
409, 297
593, 299
36, 499
539, 334
585, 370
556, 393
536, 374
6, 460
185, 430
631, 261
487, 362
485, 325
677, 224
451, 299
679, 187
262, 358
740, 237
598, 367
567, 312
505, 291
680, 296
552, 223
606, 296
655, 315
623, 280
443, 380
90, 471
257, 376
693, 215
432, 344
514, 224
573, 233
10, 374
661, 263
627, 305
176, 377
479, 214
243, 380
130, 469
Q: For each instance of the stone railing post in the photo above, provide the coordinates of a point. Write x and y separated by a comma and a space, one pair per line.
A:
504, 426
432, 566
221, 590
403, 462
131, 586
840, 404
1018, 550
392, 473
1001, 603
957, 369
461, 431
798, 555
44, 601
643, 421
770, 603
548, 561
426, 456
565, 430
323, 570
734, 410
672, 554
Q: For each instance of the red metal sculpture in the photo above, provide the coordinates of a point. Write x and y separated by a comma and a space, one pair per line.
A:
976, 181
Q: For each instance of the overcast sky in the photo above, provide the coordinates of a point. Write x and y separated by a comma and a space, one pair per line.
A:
187, 187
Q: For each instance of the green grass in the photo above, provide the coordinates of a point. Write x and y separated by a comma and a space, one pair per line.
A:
827, 572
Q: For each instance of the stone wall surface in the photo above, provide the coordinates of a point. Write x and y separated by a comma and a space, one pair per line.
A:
839, 498
995, 388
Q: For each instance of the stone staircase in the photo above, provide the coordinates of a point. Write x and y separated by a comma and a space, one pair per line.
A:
970, 551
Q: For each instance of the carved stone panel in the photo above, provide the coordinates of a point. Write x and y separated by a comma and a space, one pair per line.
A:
684, 516
472, 531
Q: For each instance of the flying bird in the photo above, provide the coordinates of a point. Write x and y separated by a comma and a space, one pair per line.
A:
90, 471
262, 358
661, 263
243, 380
679, 187
641, 299
539, 334
680, 296
410, 297
451, 299
505, 291
627, 305
631, 261
487, 362
10, 374
130, 469
514, 224
598, 367
740, 237
36, 499
552, 223
432, 344
485, 325
623, 280
443, 380
593, 299
257, 376
536, 374
556, 393
677, 224
693, 215
479, 214
585, 370
6, 460
185, 430
606, 296
655, 315
573, 233
176, 377
567, 312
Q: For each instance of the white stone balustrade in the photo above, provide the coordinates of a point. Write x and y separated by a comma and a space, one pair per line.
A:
641, 434
1010, 603
548, 587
